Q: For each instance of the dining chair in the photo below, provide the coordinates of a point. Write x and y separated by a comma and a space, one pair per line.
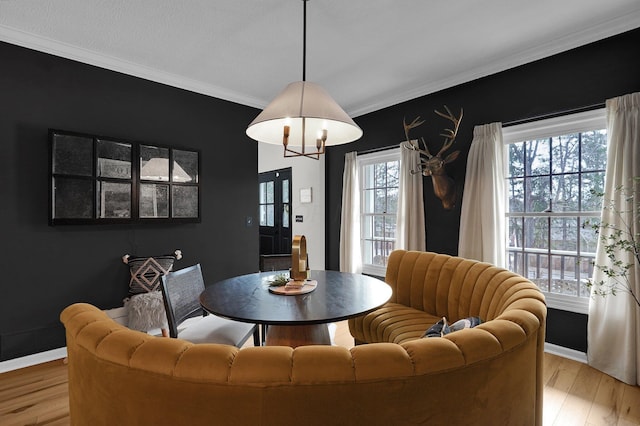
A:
273, 262
181, 291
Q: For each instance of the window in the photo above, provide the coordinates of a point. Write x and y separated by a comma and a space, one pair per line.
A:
379, 179
267, 203
553, 166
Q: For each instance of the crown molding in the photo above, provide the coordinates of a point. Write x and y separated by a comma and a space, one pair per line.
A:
588, 35
86, 56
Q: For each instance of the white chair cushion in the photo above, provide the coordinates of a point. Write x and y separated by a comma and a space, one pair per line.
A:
214, 329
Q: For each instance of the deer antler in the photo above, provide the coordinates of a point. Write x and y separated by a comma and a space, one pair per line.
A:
425, 151
449, 134
415, 123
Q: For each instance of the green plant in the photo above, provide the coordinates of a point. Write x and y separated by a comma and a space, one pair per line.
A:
617, 240
279, 280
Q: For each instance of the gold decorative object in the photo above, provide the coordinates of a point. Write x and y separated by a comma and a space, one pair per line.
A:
299, 263
298, 281
433, 165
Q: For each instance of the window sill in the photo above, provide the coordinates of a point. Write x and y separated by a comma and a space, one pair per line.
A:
377, 271
567, 303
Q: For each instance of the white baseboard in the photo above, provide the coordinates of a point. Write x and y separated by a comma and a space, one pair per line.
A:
119, 315
565, 352
29, 360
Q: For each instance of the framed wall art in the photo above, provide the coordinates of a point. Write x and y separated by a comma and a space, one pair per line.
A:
96, 179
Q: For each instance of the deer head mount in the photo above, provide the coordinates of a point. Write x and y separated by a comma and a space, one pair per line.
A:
433, 165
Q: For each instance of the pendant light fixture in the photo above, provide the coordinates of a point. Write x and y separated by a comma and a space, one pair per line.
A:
304, 118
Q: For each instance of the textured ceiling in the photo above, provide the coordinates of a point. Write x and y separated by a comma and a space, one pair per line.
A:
368, 54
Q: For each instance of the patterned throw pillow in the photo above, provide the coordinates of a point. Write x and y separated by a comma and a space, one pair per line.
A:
442, 327
146, 271
465, 323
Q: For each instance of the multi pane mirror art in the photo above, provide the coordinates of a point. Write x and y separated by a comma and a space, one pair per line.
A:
97, 179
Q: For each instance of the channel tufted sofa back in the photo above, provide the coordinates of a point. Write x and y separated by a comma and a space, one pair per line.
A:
454, 287
429, 286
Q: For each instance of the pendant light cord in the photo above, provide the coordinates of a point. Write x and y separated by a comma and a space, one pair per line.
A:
304, 41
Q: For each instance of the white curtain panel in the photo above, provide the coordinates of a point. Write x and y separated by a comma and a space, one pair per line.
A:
482, 216
410, 229
613, 331
350, 258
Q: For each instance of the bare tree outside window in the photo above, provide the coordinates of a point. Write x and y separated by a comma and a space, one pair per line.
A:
379, 180
552, 183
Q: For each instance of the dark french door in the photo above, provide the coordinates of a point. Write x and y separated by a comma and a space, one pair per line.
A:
275, 211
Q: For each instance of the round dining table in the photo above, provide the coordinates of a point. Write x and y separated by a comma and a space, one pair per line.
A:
295, 319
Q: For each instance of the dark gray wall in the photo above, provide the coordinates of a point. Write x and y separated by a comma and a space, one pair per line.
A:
45, 268
575, 79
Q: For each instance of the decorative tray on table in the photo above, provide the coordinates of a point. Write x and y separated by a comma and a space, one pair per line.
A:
292, 287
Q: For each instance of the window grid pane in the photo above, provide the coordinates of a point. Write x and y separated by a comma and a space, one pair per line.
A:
267, 206
379, 201
548, 179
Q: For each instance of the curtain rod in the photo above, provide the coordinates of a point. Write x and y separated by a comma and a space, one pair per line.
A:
509, 123
554, 114
374, 150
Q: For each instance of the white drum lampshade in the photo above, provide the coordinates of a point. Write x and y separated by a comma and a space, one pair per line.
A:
304, 101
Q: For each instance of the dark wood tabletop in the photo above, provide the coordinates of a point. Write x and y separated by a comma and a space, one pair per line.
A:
338, 296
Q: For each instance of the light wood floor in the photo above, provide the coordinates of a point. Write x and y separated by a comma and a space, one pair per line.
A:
575, 394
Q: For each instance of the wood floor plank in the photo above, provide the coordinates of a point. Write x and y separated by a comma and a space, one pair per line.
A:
37, 395
552, 402
51, 410
31, 386
565, 375
33, 401
22, 377
62, 421
605, 410
556, 389
579, 399
551, 364
59, 414
630, 409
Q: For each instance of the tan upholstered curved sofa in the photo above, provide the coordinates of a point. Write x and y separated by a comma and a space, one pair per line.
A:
490, 374
486, 375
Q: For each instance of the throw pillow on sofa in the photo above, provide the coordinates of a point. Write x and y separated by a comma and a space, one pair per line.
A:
145, 305
145, 311
438, 329
146, 272
442, 327
465, 323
